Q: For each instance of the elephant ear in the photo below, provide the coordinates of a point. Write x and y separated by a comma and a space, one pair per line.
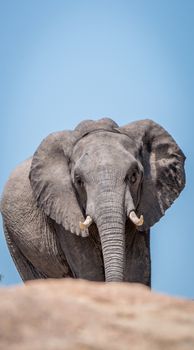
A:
163, 163
51, 182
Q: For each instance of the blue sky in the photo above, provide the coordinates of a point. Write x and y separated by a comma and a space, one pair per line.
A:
64, 61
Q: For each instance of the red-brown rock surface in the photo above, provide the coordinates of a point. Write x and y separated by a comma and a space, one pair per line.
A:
81, 315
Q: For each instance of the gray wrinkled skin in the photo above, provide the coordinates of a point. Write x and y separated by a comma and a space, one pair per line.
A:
101, 170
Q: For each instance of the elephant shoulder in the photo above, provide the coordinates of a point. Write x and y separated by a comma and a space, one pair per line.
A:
26, 227
17, 200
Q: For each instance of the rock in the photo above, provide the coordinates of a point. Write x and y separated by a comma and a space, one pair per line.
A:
80, 315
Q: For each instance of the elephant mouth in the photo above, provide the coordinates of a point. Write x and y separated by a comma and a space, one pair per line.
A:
132, 216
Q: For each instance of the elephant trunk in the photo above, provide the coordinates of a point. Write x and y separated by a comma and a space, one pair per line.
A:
110, 220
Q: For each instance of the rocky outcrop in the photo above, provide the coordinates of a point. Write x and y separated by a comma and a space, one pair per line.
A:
80, 315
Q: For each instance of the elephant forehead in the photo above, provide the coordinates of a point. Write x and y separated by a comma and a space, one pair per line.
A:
105, 145
104, 156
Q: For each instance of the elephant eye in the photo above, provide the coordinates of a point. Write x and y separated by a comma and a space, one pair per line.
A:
78, 181
133, 178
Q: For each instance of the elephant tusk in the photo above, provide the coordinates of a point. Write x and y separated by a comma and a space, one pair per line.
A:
86, 223
134, 218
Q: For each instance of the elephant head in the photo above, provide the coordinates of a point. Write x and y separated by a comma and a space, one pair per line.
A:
104, 173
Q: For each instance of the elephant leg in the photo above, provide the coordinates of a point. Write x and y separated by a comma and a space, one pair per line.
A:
83, 255
26, 270
138, 261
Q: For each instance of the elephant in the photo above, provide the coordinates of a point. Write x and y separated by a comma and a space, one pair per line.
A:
83, 204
